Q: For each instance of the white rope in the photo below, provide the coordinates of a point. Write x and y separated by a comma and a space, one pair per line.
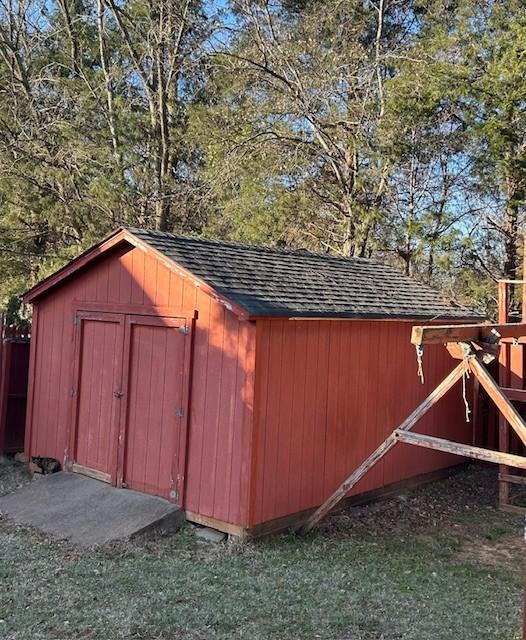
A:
465, 375
420, 369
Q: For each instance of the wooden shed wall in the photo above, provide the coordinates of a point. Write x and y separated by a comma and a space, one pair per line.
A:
327, 394
222, 391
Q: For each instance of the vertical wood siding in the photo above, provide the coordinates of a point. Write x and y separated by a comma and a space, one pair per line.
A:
100, 375
220, 422
14, 367
155, 390
268, 440
327, 394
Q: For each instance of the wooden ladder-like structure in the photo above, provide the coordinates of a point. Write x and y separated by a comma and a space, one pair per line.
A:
474, 345
511, 373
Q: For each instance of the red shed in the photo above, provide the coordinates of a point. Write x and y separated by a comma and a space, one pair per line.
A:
242, 383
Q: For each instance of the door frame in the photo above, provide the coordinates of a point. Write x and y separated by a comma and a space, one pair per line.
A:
127, 320
174, 322
74, 392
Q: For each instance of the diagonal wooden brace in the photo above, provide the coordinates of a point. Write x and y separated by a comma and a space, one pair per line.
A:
498, 396
386, 446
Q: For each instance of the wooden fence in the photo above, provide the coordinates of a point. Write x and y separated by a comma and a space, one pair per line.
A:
14, 366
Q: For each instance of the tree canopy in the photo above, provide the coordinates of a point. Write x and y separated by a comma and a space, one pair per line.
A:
393, 129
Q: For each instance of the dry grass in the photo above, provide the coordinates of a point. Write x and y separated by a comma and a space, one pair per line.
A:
437, 563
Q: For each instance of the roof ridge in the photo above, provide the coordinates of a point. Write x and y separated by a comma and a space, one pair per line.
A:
264, 247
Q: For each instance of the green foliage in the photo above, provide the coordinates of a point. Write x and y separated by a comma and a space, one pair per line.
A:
441, 562
394, 129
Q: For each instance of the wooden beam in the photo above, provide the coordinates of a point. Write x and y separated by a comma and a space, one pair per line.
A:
513, 508
515, 395
507, 410
513, 341
386, 446
91, 473
512, 478
466, 333
464, 450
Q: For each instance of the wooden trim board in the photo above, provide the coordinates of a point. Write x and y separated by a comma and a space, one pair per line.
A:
293, 521
91, 473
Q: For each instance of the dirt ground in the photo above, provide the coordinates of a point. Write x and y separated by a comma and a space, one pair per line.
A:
440, 562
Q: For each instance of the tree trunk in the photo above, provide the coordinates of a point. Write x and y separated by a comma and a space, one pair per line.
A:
512, 231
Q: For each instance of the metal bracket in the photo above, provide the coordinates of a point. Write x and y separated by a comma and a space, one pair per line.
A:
72, 392
184, 329
466, 349
179, 412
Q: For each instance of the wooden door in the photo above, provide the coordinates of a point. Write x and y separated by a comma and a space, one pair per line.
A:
152, 427
97, 394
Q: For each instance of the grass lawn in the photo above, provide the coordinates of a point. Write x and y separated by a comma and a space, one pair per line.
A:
436, 563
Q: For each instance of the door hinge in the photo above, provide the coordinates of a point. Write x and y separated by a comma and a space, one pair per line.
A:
72, 392
118, 394
76, 320
179, 412
184, 329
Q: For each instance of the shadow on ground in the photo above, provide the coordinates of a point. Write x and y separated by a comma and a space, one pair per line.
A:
437, 563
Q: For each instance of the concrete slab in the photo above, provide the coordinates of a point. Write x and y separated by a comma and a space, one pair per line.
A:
88, 512
206, 534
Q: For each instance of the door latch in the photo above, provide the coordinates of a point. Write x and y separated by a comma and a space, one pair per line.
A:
118, 394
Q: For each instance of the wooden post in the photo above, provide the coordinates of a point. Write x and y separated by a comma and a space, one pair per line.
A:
523, 312
523, 355
3, 374
476, 413
504, 381
386, 446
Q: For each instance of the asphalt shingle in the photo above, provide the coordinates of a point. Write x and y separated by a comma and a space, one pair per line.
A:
276, 282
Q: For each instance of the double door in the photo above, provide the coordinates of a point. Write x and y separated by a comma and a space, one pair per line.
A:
128, 413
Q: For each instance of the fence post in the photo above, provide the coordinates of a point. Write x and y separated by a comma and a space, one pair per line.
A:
3, 375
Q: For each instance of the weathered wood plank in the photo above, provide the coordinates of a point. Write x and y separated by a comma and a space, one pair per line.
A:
515, 395
513, 508
465, 333
464, 450
512, 478
386, 446
91, 473
507, 410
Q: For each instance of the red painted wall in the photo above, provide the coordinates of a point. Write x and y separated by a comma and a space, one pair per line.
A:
219, 435
281, 410
14, 365
327, 394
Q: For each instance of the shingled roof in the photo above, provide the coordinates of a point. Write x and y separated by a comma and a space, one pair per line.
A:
297, 283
